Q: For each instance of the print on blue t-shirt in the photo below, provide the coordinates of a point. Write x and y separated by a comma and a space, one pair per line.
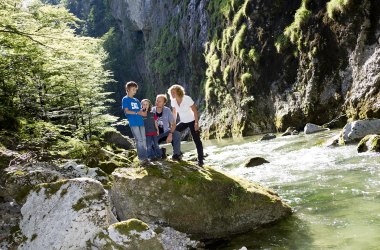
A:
134, 105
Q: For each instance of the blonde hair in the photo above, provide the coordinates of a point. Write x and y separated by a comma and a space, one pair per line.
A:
163, 96
150, 104
178, 89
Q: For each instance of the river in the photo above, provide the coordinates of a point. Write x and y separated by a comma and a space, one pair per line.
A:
334, 192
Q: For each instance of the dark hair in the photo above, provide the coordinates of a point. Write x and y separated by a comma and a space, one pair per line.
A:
130, 84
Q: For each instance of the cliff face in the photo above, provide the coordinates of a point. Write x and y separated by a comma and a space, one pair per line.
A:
258, 66
171, 37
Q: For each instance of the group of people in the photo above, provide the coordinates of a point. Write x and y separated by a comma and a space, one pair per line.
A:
151, 125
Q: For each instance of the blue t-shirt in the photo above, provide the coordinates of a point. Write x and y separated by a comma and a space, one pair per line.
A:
133, 105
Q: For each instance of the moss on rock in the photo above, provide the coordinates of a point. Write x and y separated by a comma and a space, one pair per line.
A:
200, 201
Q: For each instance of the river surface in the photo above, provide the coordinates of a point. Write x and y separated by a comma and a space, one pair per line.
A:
334, 192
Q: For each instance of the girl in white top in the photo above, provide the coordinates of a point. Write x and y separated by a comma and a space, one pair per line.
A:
185, 107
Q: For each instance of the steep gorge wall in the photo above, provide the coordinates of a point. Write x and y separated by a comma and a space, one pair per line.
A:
258, 66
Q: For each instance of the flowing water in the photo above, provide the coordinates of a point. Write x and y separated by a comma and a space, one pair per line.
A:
334, 192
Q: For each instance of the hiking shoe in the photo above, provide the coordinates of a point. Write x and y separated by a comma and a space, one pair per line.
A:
163, 153
176, 157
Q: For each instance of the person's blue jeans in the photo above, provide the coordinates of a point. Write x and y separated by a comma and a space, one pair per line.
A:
153, 149
176, 143
139, 135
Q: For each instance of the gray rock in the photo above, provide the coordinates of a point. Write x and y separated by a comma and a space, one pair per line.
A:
119, 140
20, 179
357, 130
129, 235
255, 161
268, 137
369, 143
290, 131
311, 128
65, 214
199, 201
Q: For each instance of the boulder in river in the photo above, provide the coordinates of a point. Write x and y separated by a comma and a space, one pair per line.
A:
267, 137
202, 202
290, 131
255, 161
311, 128
357, 130
369, 143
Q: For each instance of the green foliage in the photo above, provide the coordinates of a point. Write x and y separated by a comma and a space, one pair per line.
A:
294, 31
336, 6
226, 74
246, 78
166, 53
47, 73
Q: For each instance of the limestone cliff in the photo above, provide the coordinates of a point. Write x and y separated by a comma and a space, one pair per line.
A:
257, 66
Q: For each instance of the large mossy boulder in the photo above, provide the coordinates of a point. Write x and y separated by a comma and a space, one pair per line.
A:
369, 143
65, 215
200, 201
357, 130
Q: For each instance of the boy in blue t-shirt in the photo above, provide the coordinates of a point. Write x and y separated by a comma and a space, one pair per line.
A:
132, 109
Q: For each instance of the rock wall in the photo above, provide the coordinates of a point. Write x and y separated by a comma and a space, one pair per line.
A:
258, 66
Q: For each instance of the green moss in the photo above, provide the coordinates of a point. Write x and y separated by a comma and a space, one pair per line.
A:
226, 74
253, 55
84, 201
238, 40
294, 31
50, 188
336, 6
125, 227
22, 193
34, 236
19, 173
247, 78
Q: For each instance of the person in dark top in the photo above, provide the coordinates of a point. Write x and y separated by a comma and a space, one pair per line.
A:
151, 131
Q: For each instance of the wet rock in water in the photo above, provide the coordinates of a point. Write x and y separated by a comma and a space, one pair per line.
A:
20, 179
338, 122
119, 140
65, 214
357, 130
268, 137
199, 201
255, 161
369, 143
313, 128
290, 131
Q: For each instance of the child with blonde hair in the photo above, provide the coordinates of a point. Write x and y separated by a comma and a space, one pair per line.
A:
151, 131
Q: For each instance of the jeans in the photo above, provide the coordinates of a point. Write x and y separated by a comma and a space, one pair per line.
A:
176, 142
140, 138
153, 149
196, 137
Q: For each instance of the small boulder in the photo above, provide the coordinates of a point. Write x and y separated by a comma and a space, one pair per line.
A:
65, 214
119, 140
267, 137
255, 161
290, 131
311, 128
357, 130
369, 143
129, 235
198, 201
